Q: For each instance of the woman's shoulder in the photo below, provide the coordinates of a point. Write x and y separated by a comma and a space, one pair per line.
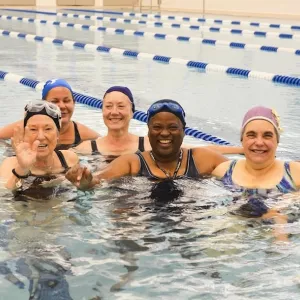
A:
222, 168
70, 157
86, 133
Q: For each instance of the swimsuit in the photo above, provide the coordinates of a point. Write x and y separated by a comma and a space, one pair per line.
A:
32, 185
77, 140
190, 171
95, 150
285, 185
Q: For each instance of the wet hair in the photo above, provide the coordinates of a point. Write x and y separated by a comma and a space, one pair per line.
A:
254, 208
165, 191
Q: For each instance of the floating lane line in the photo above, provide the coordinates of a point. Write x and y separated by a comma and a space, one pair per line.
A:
264, 34
160, 36
175, 18
284, 79
97, 103
194, 19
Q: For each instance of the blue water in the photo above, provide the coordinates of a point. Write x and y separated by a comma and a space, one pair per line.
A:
115, 242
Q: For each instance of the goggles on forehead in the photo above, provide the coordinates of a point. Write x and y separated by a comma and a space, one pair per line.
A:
44, 108
174, 108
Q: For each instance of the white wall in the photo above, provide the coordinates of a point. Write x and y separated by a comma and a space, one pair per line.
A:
98, 2
288, 8
46, 3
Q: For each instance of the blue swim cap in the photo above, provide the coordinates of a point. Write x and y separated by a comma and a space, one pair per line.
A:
166, 105
124, 90
51, 84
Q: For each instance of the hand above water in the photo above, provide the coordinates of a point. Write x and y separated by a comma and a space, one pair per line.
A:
25, 152
81, 177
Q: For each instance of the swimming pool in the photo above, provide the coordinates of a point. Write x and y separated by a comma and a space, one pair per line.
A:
115, 243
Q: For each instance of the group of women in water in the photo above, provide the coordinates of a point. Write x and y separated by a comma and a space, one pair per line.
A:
44, 143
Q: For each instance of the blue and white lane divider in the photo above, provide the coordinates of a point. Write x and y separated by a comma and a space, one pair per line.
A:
175, 18
160, 36
185, 26
177, 25
97, 103
194, 19
198, 65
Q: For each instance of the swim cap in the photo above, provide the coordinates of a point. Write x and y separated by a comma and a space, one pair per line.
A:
43, 108
51, 84
262, 113
124, 90
166, 105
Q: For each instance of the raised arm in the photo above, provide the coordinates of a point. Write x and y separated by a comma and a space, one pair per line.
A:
7, 131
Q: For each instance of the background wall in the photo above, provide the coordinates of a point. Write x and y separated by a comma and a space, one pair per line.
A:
18, 2
240, 7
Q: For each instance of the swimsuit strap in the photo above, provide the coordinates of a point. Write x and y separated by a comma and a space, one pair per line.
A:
287, 183
94, 147
77, 138
191, 170
62, 159
141, 144
144, 168
227, 178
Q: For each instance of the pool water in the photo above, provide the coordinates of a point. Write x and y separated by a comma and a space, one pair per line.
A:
118, 243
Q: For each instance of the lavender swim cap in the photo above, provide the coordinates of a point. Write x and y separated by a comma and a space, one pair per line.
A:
261, 113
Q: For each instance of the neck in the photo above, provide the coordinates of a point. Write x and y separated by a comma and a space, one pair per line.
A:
259, 169
167, 159
118, 135
44, 162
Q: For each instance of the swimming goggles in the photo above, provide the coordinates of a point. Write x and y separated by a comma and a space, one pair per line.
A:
174, 108
36, 106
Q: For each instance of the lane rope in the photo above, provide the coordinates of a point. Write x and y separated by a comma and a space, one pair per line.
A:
190, 64
97, 103
160, 36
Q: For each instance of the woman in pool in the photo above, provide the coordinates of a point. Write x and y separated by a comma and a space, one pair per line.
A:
166, 160
260, 172
118, 108
71, 133
37, 160
260, 169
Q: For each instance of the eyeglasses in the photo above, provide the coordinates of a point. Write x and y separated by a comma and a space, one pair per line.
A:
37, 106
173, 107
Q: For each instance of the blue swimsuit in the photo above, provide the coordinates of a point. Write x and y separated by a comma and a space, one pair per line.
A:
286, 184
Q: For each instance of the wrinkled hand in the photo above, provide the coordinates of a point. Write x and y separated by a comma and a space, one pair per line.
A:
81, 177
25, 152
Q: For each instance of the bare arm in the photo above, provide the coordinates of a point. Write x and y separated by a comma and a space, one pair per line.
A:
124, 165
219, 148
7, 177
207, 160
87, 133
7, 131
226, 149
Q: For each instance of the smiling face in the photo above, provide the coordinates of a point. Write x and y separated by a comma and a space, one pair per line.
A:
259, 140
62, 97
43, 129
117, 111
165, 134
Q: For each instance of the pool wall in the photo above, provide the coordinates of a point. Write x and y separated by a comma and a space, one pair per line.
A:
267, 8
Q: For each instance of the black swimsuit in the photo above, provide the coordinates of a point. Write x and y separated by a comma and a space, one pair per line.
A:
77, 140
32, 188
190, 171
95, 150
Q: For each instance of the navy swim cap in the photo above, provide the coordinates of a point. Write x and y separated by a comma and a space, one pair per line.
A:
51, 84
124, 90
166, 105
